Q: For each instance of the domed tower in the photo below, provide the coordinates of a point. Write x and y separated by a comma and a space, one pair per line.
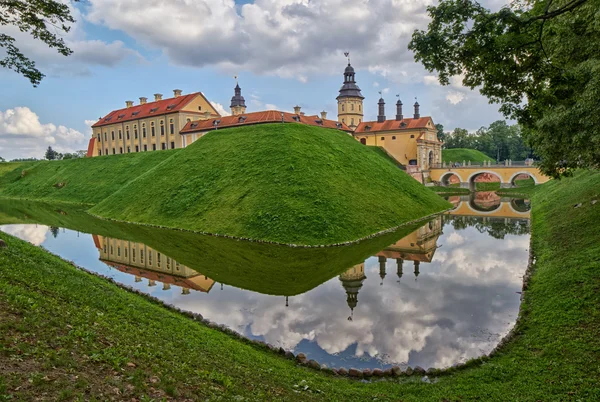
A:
352, 280
238, 103
350, 100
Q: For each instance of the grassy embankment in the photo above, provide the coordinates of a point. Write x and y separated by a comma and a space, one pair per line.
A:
464, 154
380, 151
109, 344
289, 183
450, 190
281, 183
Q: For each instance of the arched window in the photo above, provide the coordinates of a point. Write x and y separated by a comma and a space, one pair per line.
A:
112, 135
162, 127
127, 132
144, 130
171, 127
342, 107
152, 129
135, 132
120, 135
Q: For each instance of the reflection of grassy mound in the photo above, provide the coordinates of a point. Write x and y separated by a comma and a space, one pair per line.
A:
283, 183
259, 267
86, 180
464, 154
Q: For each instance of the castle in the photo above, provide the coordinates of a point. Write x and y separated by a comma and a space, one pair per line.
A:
179, 121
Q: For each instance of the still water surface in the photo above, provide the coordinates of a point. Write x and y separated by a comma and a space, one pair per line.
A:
439, 295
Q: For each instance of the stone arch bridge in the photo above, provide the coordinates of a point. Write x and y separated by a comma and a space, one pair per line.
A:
507, 173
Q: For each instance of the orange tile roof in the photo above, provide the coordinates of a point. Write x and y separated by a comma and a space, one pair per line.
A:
146, 110
269, 116
392, 125
90, 151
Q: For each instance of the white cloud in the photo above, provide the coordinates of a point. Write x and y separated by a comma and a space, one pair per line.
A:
23, 135
270, 106
455, 97
221, 109
34, 234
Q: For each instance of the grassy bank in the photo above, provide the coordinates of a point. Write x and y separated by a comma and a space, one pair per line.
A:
109, 344
85, 180
449, 190
464, 154
380, 151
287, 183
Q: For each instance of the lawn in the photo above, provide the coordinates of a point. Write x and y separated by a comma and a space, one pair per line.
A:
68, 335
464, 154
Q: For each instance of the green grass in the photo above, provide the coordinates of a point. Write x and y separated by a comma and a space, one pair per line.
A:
383, 154
291, 183
64, 333
485, 186
525, 183
464, 154
449, 190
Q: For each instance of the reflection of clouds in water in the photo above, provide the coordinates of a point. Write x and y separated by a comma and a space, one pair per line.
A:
34, 234
459, 307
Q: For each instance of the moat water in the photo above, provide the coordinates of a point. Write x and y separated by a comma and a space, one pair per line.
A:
433, 295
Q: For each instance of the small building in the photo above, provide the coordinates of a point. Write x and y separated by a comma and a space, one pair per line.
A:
196, 129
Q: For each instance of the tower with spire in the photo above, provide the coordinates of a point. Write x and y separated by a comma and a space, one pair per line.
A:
238, 103
350, 99
352, 280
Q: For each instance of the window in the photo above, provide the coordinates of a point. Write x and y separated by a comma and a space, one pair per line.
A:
382, 138
359, 107
163, 145
150, 258
412, 136
105, 136
137, 148
135, 133
106, 151
200, 108
144, 130
99, 152
142, 256
128, 149
127, 131
114, 151
120, 135
154, 147
111, 250
112, 135
162, 127
352, 121
125, 253
188, 120
342, 107
172, 145
393, 137
118, 251
171, 127
343, 121
133, 255
145, 148
152, 130
98, 136
352, 107
121, 150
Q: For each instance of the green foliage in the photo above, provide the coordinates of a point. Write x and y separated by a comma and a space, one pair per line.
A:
539, 59
554, 355
286, 183
440, 132
487, 186
44, 20
51, 154
460, 155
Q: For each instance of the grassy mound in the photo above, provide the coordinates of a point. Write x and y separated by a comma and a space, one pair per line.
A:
283, 183
86, 180
381, 151
464, 154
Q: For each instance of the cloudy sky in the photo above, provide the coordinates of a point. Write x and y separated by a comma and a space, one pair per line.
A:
286, 52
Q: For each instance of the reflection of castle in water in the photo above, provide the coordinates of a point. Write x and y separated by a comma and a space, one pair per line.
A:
418, 247
144, 262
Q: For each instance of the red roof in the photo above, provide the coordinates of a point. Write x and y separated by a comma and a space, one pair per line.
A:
393, 125
90, 151
146, 110
269, 116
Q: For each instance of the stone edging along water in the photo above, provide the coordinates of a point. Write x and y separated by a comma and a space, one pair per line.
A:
347, 243
301, 358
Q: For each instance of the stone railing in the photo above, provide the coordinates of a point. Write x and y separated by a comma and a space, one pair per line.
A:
485, 164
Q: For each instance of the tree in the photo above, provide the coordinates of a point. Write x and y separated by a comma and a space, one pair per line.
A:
2, 159
51, 154
440, 132
539, 59
459, 138
54, 230
45, 20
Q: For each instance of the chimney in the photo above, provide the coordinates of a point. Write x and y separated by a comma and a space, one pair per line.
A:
157, 97
143, 100
399, 115
297, 109
417, 115
381, 115
323, 115
176, 93
129, 103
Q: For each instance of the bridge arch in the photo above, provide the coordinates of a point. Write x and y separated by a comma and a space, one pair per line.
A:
512, 178
471, 179
444, 178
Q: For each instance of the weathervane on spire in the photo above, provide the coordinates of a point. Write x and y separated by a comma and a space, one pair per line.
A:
236, 78
380, 93
347, 54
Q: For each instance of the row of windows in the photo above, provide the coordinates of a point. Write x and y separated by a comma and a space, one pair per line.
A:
137, 148
352, 121
351, 107
135, 131
133, 256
